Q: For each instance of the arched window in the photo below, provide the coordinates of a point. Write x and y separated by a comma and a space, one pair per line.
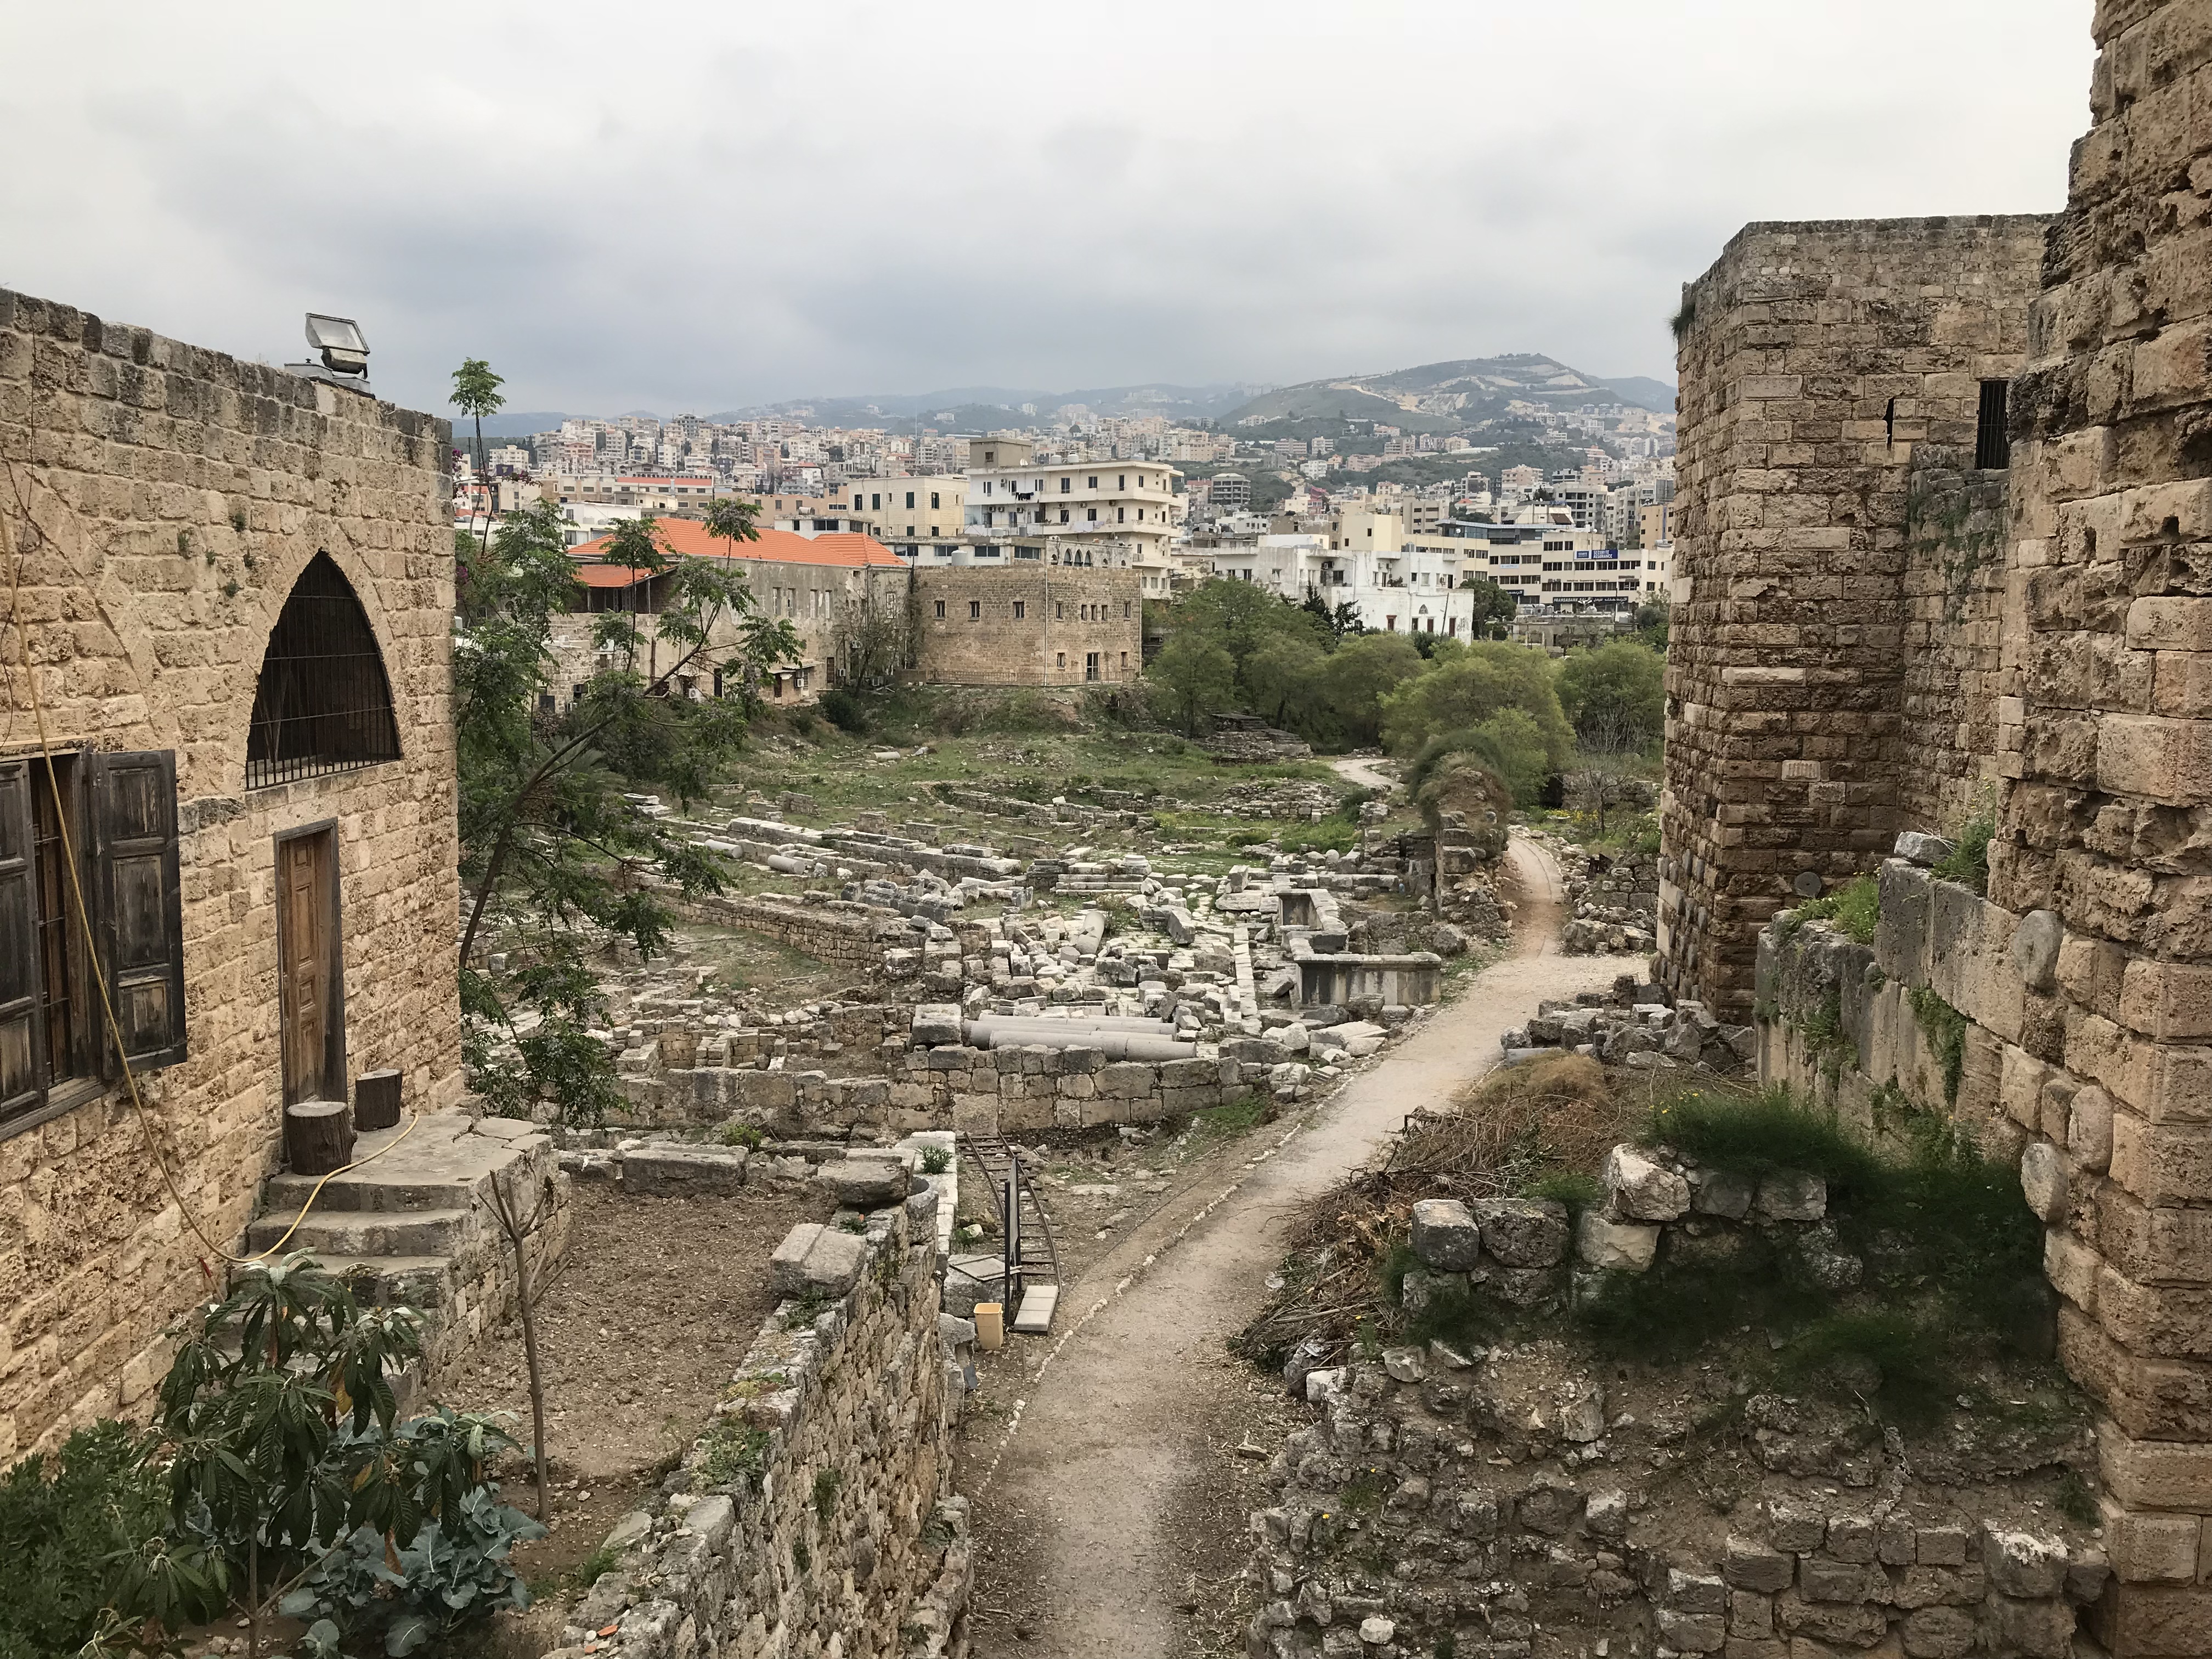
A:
323, 703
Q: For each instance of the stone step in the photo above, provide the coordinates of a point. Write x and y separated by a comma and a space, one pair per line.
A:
358, 1233
367, 1191
419, 1281
1034, 1318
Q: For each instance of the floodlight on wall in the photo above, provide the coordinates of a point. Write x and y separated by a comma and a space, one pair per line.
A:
338, 340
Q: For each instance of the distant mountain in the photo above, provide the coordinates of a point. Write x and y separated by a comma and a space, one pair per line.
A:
1442, 396
1644, 392
982, 407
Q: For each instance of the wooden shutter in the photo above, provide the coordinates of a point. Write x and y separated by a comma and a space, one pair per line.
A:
22, 1027
141, 936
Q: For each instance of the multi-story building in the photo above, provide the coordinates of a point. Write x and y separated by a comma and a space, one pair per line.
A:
1012, 495
1229, 492
910, 508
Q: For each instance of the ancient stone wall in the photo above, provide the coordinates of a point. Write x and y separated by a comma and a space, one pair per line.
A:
1812, 670
177, 493
1029, 623
815, 1516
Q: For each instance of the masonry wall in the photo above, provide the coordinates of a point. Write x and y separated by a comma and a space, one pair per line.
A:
1823, 671
177, 493
2106, 741
826, 1523
1066, 613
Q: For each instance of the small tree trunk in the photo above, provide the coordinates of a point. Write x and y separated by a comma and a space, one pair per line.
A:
318, 1136
526, 1298
252, 1598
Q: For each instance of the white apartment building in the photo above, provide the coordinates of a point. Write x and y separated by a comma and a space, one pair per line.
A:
1550, 565
1013, 496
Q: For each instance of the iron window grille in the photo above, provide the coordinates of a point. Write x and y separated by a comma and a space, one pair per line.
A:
323, 703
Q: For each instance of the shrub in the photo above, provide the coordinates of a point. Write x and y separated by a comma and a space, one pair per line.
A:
67, 1524
935, 1160
844, 711
1755, 1135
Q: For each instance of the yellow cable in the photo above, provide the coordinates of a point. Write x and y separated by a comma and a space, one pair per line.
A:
84, 917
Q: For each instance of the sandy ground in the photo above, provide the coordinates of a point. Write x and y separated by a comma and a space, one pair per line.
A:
1111, 1496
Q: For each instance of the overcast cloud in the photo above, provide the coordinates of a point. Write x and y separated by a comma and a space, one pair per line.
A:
698, 206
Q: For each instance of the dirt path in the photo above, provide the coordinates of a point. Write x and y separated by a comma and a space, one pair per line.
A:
1352, 769
1103, 1500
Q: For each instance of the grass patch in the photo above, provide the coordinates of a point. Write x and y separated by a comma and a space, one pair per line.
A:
1753, 1135
733, 1448
1330, 836
1968, 861
1853, 909
1233, 1117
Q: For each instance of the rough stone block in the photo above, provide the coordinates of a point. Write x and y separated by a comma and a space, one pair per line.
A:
1917, 846
1642, 1188
868, 1183
2159, 758
1615, 1246
666, 1171
1789, 1195
2044, 1179
1937, 1633
2035, 945
1749, 1564
1446, 1236
935, 1023
2169, 1000
1523, 1232
2152, 1548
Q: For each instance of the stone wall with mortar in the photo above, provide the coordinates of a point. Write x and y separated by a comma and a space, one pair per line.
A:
817, 1515
177, 493
1814, 611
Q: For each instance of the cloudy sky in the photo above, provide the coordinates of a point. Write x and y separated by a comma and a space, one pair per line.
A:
693, 207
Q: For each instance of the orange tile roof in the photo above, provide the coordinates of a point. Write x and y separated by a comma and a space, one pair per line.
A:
848, 549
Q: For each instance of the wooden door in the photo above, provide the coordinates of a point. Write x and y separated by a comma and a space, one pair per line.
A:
310, 967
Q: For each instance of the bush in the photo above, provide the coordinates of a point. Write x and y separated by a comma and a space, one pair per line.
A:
844, 711
73, 1531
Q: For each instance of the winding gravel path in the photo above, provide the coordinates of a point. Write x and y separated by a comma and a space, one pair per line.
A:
1110, 1443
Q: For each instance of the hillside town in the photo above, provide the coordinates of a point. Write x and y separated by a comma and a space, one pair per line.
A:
1473, 1011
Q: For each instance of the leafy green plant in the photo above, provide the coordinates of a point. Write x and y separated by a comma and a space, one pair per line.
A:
83, 1531
1234, 1117
1855, 908
279, 1441
452, 1574
1575, 1188
749, 1136
733, 1448
935, 1160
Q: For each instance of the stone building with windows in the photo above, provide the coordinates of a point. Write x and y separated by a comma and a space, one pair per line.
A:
232, 587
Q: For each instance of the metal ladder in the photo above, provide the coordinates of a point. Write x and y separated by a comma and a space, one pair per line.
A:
1032, 1260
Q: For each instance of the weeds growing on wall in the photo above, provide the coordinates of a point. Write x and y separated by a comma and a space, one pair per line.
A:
1945, 1028
1853, 909
1968, 861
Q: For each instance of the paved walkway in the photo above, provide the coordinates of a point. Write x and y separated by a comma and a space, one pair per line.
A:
1106, 1446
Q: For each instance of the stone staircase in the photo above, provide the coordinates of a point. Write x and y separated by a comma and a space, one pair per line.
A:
417, 1225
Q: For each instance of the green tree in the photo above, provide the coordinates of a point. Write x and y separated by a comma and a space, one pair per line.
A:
476, 394
1617, 689
1194, 677
1463, 693
550, 836
1362, 672
1509, 745
1341, 621
1283, 682
1488, 606
1242, 616
1653, 618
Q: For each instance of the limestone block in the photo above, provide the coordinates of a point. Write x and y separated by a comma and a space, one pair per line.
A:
1749, 1564
1789, 1195
2152, 1548
2157, 758
935, 1023
1915, 847
1714, 1192
865, 1183
2023, 1563
1642, 1188
2155, 1474
1937, 1633
1523, 1232
2169, 1000
816, 1261
1616, 1246
2035, 945
666, 1169
2162, 1163
1900, 940
2020, 1079
1446, 1236
2044, 1179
